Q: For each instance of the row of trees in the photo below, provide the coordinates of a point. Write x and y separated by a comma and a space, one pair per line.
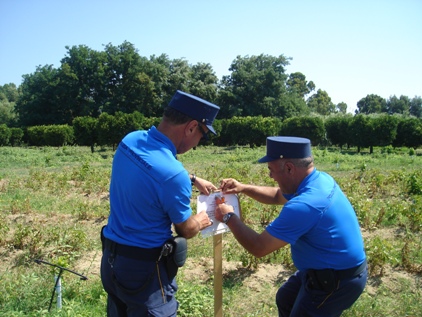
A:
90, 82
362, 131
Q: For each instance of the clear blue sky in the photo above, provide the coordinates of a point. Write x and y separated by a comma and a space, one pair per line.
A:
348, 48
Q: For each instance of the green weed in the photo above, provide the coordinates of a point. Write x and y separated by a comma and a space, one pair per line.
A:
54, 202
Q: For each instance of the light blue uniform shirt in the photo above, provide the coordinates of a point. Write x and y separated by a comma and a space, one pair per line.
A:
321, 226
149, 190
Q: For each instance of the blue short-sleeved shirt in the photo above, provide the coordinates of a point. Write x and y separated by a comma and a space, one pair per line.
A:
149, 190
321, 226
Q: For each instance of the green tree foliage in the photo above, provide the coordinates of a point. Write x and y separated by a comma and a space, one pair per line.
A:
126, 83
16, 136
296, 83
251, 131
337, 128
321, 103
254, 87
341, 107
111, 129
82, 87
5, 134
179, 76
38, 102
398, 105
199, 80
360, 131
111, 84
416, 107
158, 69
50, 135
409, 132
385, 129
85, 130
203, 82
154, 121
394, 105
308, 127
373, 130
107, 130
9, 92
89, 82
167, 76
7, 112
58, 135
371, 104
292, 105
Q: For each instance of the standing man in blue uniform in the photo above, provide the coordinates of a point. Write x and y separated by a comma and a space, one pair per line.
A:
318, 222
150, 191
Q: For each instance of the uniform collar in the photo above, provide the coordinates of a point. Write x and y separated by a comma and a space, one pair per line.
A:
302, 185
162, 138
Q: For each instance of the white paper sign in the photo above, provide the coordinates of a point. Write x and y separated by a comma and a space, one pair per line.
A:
208, 204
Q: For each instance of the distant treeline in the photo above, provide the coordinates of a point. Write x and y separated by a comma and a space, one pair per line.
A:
89, 83
361, 131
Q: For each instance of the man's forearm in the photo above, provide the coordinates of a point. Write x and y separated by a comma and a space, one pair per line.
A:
244, 235
264, 194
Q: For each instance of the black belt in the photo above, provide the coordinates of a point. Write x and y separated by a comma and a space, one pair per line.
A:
135, 253
349, 273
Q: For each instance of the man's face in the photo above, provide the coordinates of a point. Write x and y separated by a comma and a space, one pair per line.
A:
276, 169
197, 133
279, 173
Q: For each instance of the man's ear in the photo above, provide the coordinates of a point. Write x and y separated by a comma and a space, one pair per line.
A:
289, 166
191, 126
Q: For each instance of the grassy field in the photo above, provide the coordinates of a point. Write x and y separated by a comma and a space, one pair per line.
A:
53, 202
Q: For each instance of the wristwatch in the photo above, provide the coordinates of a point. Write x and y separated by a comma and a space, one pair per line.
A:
193, 179
227, 217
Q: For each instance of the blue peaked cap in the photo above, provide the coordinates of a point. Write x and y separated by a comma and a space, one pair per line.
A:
287, 147
195, 107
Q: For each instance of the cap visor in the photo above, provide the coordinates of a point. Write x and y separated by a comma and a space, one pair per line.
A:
266, 159
211, 129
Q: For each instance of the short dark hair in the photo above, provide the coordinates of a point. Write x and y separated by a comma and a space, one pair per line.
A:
302, 162
175, 117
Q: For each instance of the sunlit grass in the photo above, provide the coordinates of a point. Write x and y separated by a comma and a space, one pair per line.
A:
53, 202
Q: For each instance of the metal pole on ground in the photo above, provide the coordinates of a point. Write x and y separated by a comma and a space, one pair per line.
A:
57, 282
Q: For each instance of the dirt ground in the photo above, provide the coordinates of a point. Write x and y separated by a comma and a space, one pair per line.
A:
203, 268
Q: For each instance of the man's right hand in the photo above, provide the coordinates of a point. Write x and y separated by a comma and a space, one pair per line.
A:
203, 219
231, 186
193, 225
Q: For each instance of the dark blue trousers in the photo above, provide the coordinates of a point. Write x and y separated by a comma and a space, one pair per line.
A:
137, 288
296, 298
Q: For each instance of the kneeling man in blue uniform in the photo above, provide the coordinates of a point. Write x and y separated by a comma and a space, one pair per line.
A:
317, 221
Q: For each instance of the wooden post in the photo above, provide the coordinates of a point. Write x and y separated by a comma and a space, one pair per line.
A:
218, 275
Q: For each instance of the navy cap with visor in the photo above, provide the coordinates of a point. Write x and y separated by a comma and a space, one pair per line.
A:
286, 147
199, 109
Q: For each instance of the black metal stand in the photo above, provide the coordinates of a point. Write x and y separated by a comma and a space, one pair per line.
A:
84, 278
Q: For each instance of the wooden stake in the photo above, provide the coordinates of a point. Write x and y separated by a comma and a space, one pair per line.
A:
218, 275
